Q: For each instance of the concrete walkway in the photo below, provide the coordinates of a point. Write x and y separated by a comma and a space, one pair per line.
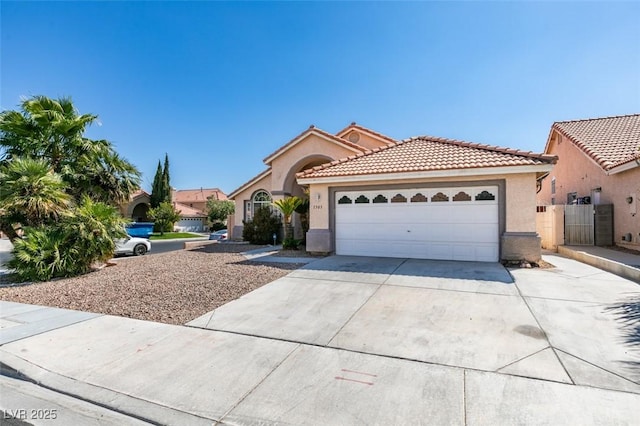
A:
621, 263
349, 340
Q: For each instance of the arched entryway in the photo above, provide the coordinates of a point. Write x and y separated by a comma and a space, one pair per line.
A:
291, 187
140, 213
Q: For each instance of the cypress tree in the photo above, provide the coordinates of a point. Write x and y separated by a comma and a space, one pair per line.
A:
156, 189
166, 181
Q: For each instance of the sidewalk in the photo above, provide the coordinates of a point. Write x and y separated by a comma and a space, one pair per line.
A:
166, 374
621, 263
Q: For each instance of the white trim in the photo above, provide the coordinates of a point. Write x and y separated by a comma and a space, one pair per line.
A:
481, 171
248, 184
296, 141
624, 167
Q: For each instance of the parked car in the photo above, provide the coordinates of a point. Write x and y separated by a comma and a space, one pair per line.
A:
220, 235
133, 245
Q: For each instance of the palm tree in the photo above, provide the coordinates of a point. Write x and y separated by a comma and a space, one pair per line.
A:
92, 229
287, 207
53, 130
30, 194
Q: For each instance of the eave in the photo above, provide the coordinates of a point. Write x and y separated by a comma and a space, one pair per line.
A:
452, 173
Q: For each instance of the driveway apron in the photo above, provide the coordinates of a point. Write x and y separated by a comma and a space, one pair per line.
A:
545, 325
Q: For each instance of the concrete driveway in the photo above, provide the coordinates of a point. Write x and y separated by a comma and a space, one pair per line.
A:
545, 324
353, 340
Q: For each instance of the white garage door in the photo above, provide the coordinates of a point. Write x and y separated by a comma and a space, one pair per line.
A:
423, 223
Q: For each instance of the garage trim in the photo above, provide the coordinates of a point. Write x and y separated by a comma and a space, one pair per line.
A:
500, 183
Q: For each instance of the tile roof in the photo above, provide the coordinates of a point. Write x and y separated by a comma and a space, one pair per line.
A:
197, 195
313, 129
609, 141
426, 153
186, 211
138, 193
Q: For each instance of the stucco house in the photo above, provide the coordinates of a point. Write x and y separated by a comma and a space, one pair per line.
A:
190, 202
598, 163
423, 197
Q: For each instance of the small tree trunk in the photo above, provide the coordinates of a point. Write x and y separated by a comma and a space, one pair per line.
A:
7, 229
288, 230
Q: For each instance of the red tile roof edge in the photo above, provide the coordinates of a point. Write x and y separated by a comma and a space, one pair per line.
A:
199, 189
551, 159
194, 212
345, 159
529, 154
596, 118
602, 162
312, 129
635, 157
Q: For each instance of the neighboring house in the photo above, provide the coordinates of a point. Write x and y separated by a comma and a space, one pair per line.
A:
599, 163
423, 197
137, 209
191, 203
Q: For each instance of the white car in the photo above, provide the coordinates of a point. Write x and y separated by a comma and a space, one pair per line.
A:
133, 245
220, 235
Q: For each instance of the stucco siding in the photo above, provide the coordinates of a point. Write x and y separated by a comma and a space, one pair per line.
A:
576, 172
319, 206
312, 146
520, 198
521, 203
234, 221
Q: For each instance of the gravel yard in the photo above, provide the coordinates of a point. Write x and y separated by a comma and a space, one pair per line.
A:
173, 288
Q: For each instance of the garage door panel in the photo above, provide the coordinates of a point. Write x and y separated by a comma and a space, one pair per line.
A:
460, 228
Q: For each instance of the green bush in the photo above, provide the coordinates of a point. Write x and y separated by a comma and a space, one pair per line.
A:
69, 247
44, 254
164, 216
217, 226
290, 243
261, 228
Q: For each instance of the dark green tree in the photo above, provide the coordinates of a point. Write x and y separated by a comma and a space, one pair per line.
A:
166, 180
156, 189
161, 189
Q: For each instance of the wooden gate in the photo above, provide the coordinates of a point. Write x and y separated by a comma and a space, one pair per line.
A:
578, 224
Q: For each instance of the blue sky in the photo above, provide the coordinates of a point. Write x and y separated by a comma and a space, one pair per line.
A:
219, 86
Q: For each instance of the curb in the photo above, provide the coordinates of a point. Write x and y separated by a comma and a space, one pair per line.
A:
608, 265
200, 243
14, 366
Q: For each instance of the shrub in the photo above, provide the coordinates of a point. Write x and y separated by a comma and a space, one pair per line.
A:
217, 226
165, 215
69, 247
261, 228
290, 243
44, 254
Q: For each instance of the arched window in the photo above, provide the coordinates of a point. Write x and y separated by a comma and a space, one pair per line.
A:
260, 199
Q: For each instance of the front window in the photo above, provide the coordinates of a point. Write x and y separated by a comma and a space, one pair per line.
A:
260, 199
553, 185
